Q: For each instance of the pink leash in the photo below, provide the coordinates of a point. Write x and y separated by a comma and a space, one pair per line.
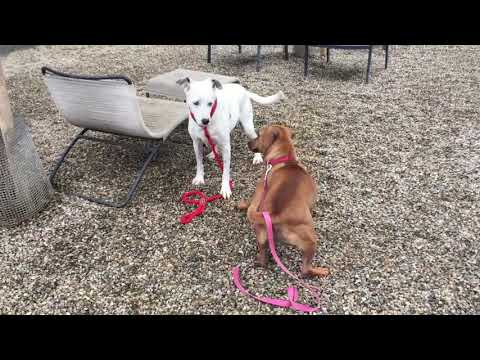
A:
292, 293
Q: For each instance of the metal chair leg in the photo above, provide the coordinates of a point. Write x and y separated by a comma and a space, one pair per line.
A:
258, 57
152, 153
328, 55
209, 54
285, 49
62, 158
305, 62
369, 61
239, 49
386, 56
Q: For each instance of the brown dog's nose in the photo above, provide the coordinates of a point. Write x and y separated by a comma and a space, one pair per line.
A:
252, 145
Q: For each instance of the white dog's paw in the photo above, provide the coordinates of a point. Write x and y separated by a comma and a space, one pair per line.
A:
198, 180
225, 191
211, 156
257, 159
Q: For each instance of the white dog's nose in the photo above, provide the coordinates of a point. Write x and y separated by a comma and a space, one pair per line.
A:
205, 121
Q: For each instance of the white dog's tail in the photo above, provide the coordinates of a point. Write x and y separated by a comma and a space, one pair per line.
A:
267, 99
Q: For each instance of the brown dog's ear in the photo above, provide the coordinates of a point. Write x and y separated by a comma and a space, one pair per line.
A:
290, 132
270, 136
216, 84
185, 82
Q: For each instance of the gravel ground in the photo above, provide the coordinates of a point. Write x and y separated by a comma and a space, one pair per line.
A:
396, 162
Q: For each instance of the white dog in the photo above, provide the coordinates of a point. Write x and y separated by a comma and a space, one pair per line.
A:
219, 108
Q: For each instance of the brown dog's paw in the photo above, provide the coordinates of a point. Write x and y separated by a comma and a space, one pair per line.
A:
260, 261
242, 205
318, 272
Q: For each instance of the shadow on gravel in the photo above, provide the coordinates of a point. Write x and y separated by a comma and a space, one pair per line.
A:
7, 49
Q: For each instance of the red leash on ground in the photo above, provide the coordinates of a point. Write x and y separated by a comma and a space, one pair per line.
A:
201, 203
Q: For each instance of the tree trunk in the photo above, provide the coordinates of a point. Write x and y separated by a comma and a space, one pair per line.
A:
7, 138
6, 117
24, 190
6, 123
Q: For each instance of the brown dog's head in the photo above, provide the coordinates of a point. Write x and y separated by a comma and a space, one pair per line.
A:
269, 137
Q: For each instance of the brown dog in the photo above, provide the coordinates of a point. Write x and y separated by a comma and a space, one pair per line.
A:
289, 199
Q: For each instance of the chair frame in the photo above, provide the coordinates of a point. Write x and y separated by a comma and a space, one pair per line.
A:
151, 151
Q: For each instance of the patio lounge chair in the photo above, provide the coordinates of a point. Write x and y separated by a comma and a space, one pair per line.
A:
346, 47
110, 104
259, 49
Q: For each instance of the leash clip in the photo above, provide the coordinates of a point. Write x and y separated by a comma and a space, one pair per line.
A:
269, 168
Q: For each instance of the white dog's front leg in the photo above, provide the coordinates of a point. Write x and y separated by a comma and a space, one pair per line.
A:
225, 191
199, 177
246, 119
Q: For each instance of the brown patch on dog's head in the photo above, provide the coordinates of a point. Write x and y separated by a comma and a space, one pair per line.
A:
271, 136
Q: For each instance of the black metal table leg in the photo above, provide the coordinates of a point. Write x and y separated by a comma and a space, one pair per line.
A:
369, 62
386, 56
258, 57
305, 60
239, 49
209, 54
285, 49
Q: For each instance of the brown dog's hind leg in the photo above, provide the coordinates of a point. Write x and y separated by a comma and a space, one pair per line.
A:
305, 239
307, 268
262, 244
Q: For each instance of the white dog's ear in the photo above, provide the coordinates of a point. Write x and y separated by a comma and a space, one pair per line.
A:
216, 84
185, 82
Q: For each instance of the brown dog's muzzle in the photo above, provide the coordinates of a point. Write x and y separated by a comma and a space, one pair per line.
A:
252, 145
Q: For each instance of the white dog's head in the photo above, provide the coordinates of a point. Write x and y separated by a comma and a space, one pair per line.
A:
201, 97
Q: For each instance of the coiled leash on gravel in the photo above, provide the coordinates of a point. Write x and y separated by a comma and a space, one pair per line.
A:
202, 200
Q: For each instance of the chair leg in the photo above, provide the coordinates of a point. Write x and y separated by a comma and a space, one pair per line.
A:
305, 62
386, 56
209, 54
285, 49
369, 62
258, 57
152, 153
239, 49
62, 158
328, 55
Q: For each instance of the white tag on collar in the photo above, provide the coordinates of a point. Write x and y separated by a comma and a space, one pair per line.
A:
269, 167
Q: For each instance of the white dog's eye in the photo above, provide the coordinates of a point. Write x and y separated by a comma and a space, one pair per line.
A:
196, 103
210, 104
